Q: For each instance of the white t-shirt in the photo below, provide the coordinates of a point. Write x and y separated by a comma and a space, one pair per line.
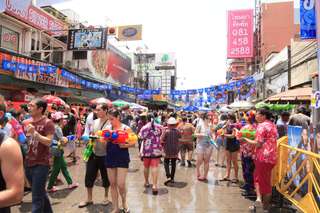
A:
89, 125
100, 148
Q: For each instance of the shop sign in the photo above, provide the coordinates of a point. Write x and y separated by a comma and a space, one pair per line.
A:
130, 33
34, 16
9, 39
315, 100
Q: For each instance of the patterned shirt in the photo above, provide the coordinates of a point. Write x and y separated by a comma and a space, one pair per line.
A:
266, 135
248, 150
151, 146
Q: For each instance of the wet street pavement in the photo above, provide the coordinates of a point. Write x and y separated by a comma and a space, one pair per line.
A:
189, 195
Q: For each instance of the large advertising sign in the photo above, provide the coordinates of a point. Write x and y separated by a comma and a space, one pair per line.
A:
34, 16
129, 33
111, 65
240, 34
165, 61
87, 39
307, 19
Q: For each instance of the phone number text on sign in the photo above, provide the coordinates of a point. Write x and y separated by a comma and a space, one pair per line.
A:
240, 34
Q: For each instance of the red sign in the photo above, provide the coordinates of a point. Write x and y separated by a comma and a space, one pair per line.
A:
26, 12
240, 34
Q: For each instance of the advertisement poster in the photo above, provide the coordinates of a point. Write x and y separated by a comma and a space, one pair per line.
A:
307, 19
111, 65
240, 34
87, 39
294, 140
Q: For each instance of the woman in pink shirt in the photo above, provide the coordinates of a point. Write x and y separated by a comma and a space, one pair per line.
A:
265, 156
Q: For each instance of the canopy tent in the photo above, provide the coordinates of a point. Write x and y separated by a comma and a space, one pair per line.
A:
241, 105
298, 95
101, 100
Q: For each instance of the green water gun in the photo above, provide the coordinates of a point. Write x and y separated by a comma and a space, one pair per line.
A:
88, 151
246, 133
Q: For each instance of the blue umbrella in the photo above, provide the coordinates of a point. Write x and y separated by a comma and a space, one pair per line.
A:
205, 109
190, 108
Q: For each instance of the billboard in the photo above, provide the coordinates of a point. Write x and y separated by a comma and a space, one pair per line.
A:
165, 61
87, 39
34, 16
240, 34
111, 65
129, 33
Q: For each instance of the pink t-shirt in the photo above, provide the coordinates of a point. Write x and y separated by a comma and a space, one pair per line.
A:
267, 135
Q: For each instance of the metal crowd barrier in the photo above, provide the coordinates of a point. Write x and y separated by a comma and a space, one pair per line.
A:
297, 176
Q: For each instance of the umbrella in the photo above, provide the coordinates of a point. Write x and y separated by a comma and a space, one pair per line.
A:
137, 107
225, 109
101, 100
190, 108
120, 103
241, 105
50, 99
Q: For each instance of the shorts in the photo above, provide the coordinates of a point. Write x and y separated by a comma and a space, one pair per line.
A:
221, 142
233, 146
186, 147
95, 164
204, 149
151, 162
262, 176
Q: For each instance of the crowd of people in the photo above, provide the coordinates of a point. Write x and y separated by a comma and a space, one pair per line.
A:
168, 138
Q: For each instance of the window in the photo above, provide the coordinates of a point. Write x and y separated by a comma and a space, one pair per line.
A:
9, 39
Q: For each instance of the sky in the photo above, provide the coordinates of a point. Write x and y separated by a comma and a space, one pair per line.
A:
196, 30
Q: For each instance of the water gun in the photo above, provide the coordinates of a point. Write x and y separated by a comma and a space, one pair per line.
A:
246, 133
118, 136
71, 138
17, 128
220, 132
87, 152
132, 138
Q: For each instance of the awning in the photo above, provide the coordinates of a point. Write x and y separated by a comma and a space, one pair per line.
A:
293, 95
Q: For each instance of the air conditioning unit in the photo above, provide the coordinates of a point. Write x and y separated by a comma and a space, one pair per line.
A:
71, 64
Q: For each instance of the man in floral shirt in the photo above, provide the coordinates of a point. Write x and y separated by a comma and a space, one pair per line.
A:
151, 151
265, 156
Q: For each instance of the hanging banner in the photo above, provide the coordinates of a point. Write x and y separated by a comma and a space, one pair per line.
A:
307, 19
240, 34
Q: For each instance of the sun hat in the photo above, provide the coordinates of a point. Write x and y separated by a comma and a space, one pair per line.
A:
57, 116
172, 121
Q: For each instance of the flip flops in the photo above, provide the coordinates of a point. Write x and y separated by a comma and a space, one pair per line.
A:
84, 204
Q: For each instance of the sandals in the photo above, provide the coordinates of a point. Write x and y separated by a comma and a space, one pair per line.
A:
236, 181
147, 185
224, 179
106, 202
202, 179
84, 204
125, 210
154, 191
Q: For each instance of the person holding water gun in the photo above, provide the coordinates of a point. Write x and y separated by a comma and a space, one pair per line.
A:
117, 162
247, 153
96, 157
59, 162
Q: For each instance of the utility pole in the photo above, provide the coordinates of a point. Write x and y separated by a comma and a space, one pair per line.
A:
289, 66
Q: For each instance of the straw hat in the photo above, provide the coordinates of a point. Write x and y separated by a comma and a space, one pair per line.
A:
172, 121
